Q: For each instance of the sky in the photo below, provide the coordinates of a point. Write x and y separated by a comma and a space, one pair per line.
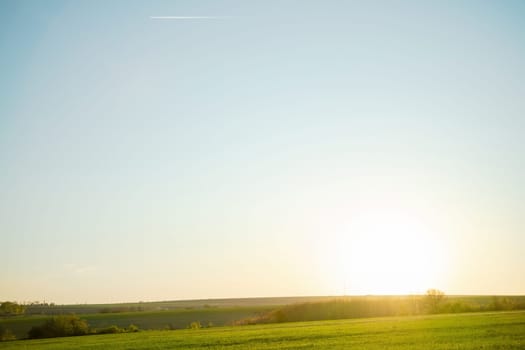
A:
270, 148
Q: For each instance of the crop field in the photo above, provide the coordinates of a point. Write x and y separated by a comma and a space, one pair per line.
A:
146, 320
85, 309
492, 330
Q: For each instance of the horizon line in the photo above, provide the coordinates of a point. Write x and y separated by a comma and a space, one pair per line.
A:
211, 299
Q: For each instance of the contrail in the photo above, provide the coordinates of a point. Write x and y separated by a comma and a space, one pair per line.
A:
189, 17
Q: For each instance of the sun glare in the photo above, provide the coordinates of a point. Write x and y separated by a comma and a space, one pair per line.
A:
387, 252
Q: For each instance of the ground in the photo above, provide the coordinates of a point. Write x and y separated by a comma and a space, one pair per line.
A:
494, 330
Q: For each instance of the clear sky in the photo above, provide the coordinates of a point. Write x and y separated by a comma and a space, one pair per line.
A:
276, 148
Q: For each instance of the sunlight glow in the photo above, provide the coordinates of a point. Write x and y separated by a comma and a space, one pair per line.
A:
388, 252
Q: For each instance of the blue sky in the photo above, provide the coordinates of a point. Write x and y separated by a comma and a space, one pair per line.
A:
249, 154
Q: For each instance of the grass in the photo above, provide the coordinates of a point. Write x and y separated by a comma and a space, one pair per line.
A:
494, 330
222, 312
175, 319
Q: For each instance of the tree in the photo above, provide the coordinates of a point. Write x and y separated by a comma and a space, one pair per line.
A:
60, 326
433, 300
9, 308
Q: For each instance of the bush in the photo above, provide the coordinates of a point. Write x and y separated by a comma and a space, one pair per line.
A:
132, 329
60, 326
341, 308
459, 306
6, 334
111, 330
195, 325
116, 329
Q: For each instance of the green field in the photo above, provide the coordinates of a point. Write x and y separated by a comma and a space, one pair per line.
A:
84, 309
223, 312
146, 320
157, 315
493, 330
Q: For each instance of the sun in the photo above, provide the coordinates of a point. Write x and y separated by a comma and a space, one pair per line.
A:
387, 252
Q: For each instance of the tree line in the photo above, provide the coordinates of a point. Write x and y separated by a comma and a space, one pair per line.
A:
10, 308
433, 302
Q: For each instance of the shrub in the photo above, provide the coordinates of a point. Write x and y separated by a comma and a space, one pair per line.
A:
60, 326
6, 334
116, 329
502, 303
132, 328
458, 306
195, 325
111, 330
335, 309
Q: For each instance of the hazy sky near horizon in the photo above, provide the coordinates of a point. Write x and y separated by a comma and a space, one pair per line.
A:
276, 148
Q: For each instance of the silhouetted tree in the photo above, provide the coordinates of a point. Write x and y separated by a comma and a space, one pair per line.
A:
433, 300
